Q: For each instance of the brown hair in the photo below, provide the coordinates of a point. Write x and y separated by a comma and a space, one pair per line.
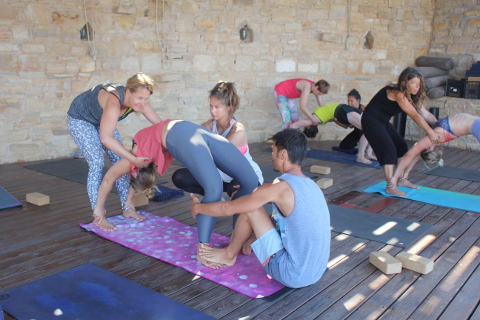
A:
402, 86
139, 80
145, 181
225, 92
322, 86
433, 157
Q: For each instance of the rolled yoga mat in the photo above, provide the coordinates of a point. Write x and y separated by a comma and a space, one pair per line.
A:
377, 227
456, 173
93, 293
429, 72
438, 62
437, 81
174, 242
436, 92
437, 197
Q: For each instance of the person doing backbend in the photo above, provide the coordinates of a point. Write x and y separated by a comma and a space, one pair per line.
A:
406, 95
449, 128
295, 248
92, 123
343, 115
224, 102
287, 92
201, 151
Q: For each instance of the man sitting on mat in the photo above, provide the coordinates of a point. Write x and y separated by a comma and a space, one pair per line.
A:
294, 248
450, 128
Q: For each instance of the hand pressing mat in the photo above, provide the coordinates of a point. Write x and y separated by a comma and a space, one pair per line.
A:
174, 242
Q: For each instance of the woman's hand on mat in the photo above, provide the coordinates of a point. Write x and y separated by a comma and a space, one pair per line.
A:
141, 162
192, 205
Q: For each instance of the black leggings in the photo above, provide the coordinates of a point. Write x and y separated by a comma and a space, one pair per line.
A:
351, 140
184, 179
202, 152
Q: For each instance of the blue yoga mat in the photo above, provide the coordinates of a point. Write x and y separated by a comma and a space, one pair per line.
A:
165, 193
93, 293
351, 151
7, 200
437, 197
339, 157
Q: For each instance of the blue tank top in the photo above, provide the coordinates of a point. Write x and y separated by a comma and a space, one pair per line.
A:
305, 232
381, 107
86, 107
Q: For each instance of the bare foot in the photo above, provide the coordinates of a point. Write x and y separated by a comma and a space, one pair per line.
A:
363, 160
101, 222
396, 192
371, 157
130, 212
405, 183
247, 248
201, 248
217, 256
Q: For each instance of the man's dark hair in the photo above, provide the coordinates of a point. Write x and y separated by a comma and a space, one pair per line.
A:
311, 131
294, 141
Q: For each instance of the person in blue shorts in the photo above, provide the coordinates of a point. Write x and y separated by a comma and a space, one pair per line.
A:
294, 247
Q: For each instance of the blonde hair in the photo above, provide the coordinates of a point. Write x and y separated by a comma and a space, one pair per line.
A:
145, 180
139, 80
322, 86
225, 92
433, 157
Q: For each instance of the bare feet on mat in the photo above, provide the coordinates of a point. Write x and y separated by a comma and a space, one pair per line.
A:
130, 212
396, 192
216, 257
247, 248
100, 221
405, 183
202, 248
371, 157
363, 160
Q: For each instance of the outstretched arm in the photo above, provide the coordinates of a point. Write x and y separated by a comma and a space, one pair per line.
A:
116, 171
305, 87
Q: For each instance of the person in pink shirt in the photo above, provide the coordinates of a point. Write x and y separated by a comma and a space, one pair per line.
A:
287, 92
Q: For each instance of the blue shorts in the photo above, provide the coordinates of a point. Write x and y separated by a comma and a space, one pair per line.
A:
267, 245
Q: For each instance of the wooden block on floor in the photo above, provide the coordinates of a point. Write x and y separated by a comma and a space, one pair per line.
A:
38, 199
140, 200
324, 183
385, 262
320, 169
415, 263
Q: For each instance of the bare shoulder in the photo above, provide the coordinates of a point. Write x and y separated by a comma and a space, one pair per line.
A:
238, 126
208, 124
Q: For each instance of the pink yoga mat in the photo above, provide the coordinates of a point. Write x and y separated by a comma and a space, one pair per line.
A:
174, 242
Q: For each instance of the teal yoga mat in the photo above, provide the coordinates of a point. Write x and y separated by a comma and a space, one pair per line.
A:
437, 197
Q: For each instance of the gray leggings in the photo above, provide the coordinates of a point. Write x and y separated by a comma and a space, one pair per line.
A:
87, 137
202, 152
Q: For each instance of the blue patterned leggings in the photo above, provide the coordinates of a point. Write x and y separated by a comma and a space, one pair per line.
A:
288, 109
87, 137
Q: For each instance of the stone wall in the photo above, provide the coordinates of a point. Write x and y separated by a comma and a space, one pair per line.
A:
455, 34
45, 64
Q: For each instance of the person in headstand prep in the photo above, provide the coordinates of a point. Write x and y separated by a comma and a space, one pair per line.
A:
294, 249
287, 92
449, 128
343, 115
224, 102
387, 143
200, 150
92, 123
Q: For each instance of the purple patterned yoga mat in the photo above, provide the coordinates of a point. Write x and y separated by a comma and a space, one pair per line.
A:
174, 242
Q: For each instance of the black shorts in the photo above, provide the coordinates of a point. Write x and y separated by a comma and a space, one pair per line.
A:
341, 113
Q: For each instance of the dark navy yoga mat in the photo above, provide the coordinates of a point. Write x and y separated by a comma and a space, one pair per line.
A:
92, 293
7, 200
456, 173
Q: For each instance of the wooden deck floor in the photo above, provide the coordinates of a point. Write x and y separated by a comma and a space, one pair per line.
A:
40, 241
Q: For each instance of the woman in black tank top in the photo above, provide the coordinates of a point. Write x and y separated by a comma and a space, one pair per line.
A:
407, 95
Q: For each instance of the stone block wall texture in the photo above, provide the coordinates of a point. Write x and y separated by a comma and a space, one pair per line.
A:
45, 64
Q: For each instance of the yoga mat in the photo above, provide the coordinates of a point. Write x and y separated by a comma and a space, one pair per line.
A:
93, 293
269, 174
437, 197
68, 169
350, 151
7, 200
165, 193
456, 173
171, 241
376, 227
339, 157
